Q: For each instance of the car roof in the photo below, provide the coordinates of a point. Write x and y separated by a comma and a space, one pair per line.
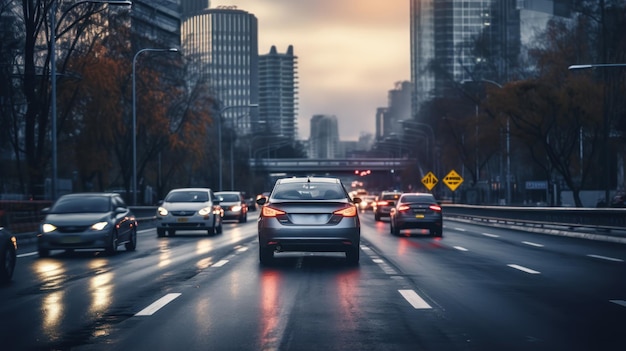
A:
227, 192
90, 194
308, 179
190, 189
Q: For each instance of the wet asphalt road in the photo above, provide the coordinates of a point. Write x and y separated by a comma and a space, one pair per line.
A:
478, 288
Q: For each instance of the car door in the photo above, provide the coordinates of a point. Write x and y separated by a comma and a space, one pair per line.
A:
122, 218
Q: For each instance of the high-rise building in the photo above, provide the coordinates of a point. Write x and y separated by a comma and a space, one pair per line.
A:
157, 22
191, 7
278, 89
324, 138
223, 44
398, 108
444, 35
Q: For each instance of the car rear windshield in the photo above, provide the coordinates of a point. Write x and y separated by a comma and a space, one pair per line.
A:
418, 198
92, 204
309, 191
391, 196
188, 196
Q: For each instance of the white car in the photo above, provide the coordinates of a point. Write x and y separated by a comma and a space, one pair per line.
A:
189, 209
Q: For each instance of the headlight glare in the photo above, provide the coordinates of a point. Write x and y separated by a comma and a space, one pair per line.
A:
205, 211
47, 228
162, 211
99, 226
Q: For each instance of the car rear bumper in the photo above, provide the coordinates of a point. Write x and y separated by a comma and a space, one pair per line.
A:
313, 239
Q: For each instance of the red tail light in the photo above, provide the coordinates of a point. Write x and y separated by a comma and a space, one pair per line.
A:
435, 208
404, 208
272, 212
347, 212
382, 203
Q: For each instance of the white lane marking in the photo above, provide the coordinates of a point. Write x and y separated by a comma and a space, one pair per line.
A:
414, 299
242, 249
619, 302
157, 305
460, 248
27, 254
460, 229
377, 260
532, 244
606, 258
220, 263
523, 269
491, 235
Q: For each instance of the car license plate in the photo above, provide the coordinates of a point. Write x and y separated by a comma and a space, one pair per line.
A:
71, 239
419, 216
182, 220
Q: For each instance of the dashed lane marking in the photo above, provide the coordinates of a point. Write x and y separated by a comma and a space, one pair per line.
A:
220, 263
414, 299
606, 258
460, 248
491, 235
532, 244
619, 302
523, 269
157, 305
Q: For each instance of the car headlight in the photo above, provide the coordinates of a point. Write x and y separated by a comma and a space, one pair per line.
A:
205, 211
236, 208
47, 228
99, 225
162, 211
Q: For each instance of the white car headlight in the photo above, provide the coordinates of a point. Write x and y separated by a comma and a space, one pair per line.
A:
47, 228
99, 226
236, 208
205, 211
162, 211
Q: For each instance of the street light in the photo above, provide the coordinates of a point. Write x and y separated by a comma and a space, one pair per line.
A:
53, 76
219, 136
606, 125
134, 180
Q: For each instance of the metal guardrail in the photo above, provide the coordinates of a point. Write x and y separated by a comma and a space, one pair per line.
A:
606, 219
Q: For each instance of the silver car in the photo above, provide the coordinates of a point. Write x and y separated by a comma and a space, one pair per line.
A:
189, 209
234, 205
87, 221
313, 214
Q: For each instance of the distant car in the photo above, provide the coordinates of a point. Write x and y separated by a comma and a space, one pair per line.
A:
386, 201
234, 205
313, 214
368, 202
416, 211
87, 221
8, 250
189, 209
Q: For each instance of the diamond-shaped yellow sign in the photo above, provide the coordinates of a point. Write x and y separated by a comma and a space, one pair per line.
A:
453, 180
430, 181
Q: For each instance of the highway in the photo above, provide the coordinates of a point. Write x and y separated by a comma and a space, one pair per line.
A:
477, 288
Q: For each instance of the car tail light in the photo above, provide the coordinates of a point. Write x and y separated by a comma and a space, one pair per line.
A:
404, 208
347, 212
382, 203
435, 208
272, 212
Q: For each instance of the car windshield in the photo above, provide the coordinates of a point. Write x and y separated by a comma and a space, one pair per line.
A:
390, 196
229, 197
419, 198
91, 204
309, 191
187, 196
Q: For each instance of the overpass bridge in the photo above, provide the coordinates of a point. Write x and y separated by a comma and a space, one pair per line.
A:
303, 166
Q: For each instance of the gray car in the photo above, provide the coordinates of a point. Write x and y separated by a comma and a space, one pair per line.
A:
234, 205
8, 249
314, 214
87, 221
416, 211
189, 209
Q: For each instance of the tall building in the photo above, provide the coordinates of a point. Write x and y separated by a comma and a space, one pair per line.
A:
324, 138
398, 109
278, 89
444, 34
157, 22
223, 44
191, 7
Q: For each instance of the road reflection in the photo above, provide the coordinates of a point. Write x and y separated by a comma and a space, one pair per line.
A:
165, 254
270, 310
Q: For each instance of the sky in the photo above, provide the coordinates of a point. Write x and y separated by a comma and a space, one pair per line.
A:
350, 54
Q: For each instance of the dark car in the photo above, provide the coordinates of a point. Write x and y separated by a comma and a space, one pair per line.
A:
416, 211
386, 201
8, 250
234, 205
87, 221
312, 214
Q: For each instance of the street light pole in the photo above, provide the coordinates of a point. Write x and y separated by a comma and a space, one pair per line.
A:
134, 122
53, 79
219, 137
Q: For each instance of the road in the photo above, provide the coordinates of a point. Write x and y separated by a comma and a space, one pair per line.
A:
477, 288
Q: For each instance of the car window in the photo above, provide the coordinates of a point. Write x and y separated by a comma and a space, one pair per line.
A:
93, 204
187, 196
306, 191
229, 197
418, 198
391, 196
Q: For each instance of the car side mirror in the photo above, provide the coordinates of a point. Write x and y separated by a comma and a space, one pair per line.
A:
357, 200
261, 201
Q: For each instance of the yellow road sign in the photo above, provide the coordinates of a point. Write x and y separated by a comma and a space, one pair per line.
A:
453, 180
430, 181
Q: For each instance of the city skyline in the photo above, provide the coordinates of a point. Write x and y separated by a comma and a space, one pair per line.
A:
350, 54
